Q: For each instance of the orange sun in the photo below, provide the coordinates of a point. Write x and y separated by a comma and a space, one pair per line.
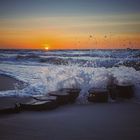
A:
46, 46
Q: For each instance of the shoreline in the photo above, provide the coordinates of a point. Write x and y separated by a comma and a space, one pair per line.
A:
75, 122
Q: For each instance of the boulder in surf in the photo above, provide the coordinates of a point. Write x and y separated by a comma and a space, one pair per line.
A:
125, 91
98, 95
73, 94
38, 105
62, 96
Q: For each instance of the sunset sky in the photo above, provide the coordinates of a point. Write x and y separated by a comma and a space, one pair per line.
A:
69, 24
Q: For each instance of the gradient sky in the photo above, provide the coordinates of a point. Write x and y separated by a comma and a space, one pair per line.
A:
68, 24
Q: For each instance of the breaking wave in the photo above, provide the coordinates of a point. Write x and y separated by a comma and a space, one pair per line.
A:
49, 71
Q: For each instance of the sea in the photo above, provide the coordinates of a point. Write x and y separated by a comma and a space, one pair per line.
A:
46, 71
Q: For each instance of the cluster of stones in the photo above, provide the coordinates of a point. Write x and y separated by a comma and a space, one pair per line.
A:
46, 102
115, 92
65, 96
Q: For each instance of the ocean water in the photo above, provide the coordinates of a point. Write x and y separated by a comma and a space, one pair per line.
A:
46, 71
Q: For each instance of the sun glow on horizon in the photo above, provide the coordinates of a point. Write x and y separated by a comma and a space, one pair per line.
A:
76, 24
46, 46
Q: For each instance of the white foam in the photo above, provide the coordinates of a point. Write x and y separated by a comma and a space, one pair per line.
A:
43, 79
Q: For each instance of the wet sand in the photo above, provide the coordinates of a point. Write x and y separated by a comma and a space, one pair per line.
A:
97, 121
9, 83
117, 121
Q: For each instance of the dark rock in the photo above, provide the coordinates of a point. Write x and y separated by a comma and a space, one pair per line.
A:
73, 94
62, 96
66, 95
124, 91
37, 105
112, 92
98, 95
46, 98
121, 91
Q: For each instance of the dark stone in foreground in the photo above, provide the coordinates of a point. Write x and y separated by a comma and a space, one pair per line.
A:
73, 94
98, 95
121, 91
38, 105
46, 98
125, 91
15, 105
43, 102
112, 92
62, 96
65, 96
51, 100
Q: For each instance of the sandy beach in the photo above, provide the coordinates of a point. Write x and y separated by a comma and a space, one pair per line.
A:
117, 121
96, 121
